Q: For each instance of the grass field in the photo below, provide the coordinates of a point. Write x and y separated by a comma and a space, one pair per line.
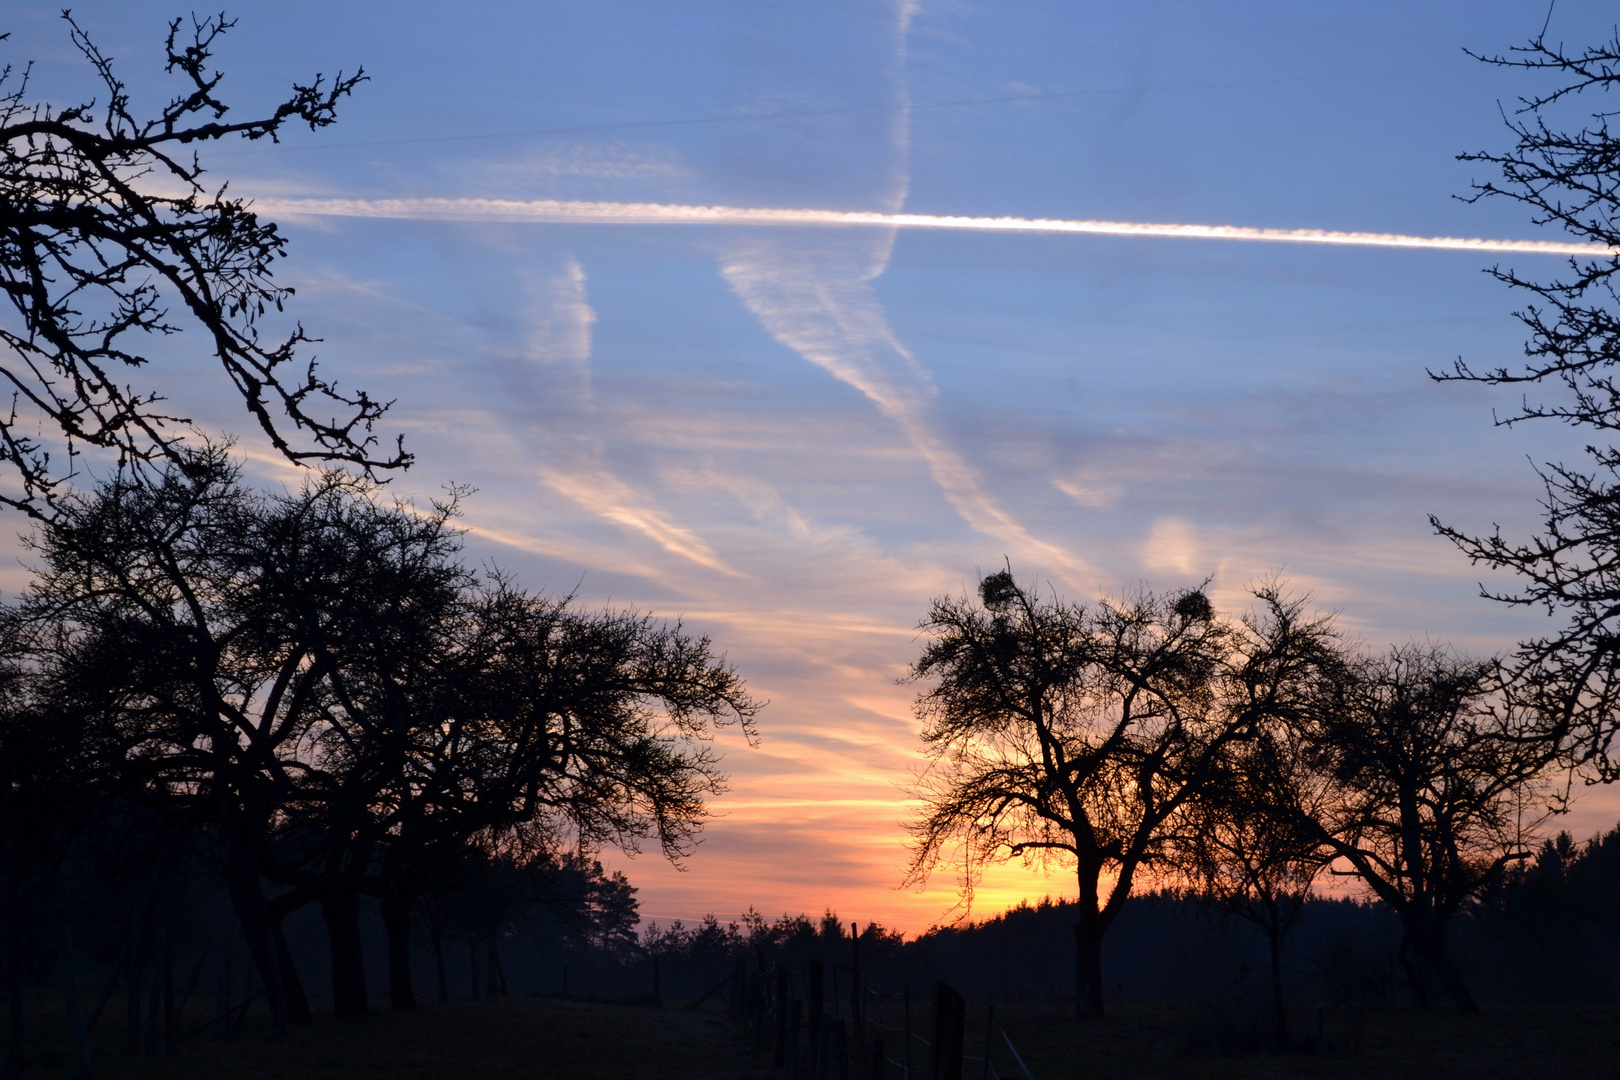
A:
503, 1039
1143, 1043
559, 1040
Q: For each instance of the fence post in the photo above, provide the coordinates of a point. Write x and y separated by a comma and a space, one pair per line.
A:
780, 1057
756, 1002
857, 1003
817, 993
989, 1033
908, 1032
795, 1064
950, 1032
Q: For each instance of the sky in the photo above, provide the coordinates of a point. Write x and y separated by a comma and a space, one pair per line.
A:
792, 434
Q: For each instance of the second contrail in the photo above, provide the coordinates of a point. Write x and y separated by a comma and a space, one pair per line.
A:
615, 213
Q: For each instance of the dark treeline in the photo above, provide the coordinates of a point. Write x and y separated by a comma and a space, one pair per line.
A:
225, 708
1548, 931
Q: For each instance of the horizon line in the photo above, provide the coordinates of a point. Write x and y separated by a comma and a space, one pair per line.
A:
553, 211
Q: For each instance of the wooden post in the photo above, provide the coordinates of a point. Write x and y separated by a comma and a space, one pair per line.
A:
817, 994
857, 1003
989, 1034
908, 1032
780, 1057
757, 986
795, 1049
950, 1032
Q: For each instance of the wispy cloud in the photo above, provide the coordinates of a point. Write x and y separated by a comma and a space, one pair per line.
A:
816, 298
559, 340
1172, 547
556, 211
818, 301
1088, 489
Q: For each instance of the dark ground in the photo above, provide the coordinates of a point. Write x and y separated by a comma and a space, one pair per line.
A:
1180, 1044
503, 1039
564, 1040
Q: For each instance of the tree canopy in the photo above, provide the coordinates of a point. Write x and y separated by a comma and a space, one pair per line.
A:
112, 239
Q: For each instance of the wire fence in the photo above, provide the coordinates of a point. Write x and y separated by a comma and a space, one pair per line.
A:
783, 1013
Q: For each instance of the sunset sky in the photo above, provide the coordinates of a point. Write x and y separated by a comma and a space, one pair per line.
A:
793, 435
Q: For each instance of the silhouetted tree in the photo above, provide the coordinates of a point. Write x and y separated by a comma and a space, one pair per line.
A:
108, 235
1566, 170
1243, 844
1430, 787
317, 676
1079, 736
173, 632
597, 723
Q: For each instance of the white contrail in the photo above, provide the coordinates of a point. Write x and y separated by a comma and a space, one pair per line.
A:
613, 213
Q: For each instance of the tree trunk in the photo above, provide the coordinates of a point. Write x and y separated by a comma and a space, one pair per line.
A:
132, 1005
14, 991
341, 910
1452, 981
1279, 1008
292, 987
154, 1003
1430, 947
242, 877
1088, 935
1417, 974
436, 944
396, 916
1088, 982
171, 1015
72, 1007
497, 977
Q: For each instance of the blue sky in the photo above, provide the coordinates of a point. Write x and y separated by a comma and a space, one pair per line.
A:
794, 436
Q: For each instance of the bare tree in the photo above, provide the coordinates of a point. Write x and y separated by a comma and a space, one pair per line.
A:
1564, 168
1430, 781
110, 238
319, 677
1243, 846
164, 609
1078, 736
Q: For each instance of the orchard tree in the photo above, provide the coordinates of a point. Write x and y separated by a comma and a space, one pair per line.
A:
1248, 845
112, 238
317, 679
1080, 736
166, 611
1564, 168
1430, 782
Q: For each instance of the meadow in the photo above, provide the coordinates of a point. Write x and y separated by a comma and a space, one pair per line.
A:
520, 1037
